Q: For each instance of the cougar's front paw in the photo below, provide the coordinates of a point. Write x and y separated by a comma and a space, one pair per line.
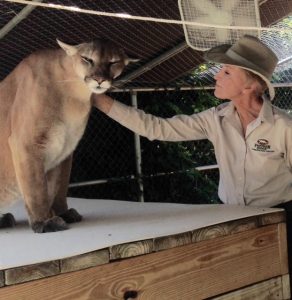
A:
7, 220
71, 216
50, 225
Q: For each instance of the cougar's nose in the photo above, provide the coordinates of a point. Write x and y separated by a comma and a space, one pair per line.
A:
98, 79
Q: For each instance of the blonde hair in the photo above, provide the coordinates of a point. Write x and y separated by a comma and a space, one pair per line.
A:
261, 86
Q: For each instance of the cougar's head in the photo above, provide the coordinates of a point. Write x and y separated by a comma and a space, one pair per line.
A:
98, 63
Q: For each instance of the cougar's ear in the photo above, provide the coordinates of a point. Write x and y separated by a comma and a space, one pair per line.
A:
129, 60
69, 49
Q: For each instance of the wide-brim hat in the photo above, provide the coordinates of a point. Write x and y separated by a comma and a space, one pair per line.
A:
250, 54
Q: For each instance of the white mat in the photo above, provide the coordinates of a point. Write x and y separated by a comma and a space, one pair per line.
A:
107, 223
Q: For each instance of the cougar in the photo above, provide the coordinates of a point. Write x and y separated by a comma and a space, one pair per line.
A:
44, 108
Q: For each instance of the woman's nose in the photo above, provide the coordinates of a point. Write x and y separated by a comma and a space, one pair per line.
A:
217, 75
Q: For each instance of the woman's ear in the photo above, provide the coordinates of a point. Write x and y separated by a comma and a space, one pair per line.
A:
250, 87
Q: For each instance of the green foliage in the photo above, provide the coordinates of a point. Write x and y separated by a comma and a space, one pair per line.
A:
288, 21
183, 183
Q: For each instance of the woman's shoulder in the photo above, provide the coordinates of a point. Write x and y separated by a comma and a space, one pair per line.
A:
215, 109
223, 108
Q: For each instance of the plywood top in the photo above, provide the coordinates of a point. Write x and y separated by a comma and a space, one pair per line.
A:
107, 223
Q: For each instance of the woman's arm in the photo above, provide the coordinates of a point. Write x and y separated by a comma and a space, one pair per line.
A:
177, 128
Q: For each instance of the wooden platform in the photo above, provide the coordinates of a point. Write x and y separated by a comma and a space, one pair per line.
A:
126, 250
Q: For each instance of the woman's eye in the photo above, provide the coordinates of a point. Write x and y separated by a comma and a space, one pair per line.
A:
226, 72
87, 60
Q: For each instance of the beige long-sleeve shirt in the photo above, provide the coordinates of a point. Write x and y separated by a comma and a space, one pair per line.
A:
255, 169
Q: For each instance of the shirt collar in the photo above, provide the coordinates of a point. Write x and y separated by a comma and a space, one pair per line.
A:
266, 112
226, 109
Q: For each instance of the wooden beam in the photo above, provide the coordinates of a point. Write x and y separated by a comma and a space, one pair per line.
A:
195, 271
1, 278
268, 289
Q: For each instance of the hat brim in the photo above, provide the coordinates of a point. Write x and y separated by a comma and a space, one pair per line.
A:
218, 55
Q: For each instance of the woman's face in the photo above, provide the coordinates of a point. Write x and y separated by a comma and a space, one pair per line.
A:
230, 82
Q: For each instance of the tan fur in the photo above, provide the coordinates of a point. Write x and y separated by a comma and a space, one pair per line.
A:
44, 108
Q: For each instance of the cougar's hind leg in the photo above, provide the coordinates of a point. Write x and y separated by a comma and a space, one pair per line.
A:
59, 177
7, 220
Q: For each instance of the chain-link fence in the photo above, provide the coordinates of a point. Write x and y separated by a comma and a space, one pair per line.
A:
104, 163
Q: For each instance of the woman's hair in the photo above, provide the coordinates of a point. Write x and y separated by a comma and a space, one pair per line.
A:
261, 87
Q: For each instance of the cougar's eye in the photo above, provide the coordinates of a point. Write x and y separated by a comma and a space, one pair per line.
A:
87, 60
111, 63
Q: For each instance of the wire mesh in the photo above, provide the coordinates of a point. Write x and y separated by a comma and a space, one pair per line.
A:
168, 169
106, 153
144, 40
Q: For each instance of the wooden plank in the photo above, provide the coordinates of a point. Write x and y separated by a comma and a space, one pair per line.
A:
131, 249
283, 249
272, 218
84, 261
1, 278
194, 271
286, 287
224, 229
172, 241
268, 289
219, 230
33, 272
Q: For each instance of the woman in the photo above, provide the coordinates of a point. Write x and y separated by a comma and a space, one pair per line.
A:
252, 138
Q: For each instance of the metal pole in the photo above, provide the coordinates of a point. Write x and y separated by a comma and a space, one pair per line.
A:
183, 88
164, 89
138, 157
153, 63
18, 18
132, 177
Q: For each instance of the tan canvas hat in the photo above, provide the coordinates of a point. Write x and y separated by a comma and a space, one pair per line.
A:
248, 53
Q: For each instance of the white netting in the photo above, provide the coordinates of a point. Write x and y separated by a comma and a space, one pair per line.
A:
281, 44
216, 13
149, 30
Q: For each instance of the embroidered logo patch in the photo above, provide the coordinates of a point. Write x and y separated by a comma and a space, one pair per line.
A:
263, 146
